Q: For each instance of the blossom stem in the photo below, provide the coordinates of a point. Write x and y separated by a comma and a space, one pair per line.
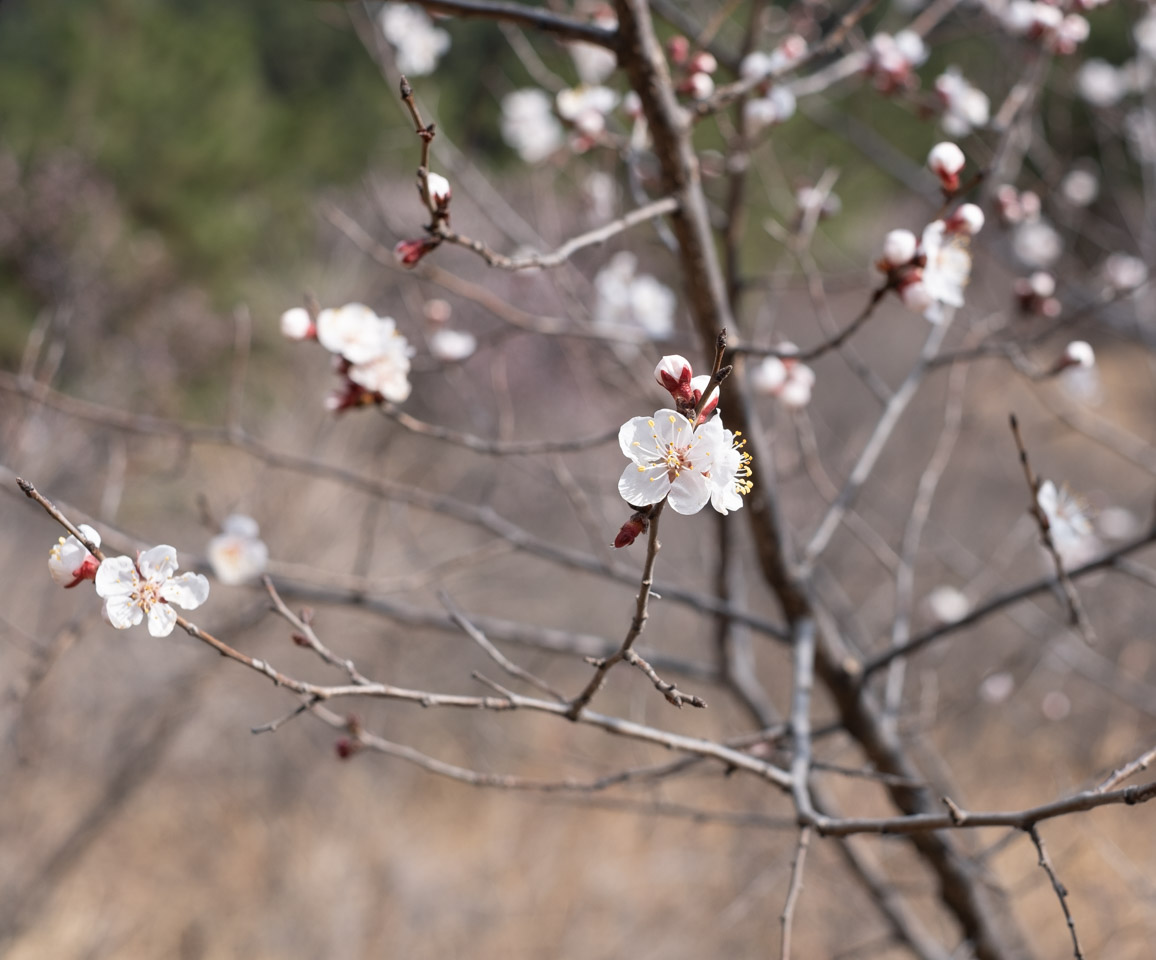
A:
32, 493
637, 625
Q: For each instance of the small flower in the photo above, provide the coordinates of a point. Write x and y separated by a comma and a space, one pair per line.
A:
1078, 353
419, 45
238, 554
699, 86
947, 270
387, 374
355, 332
947, 604
784, 378
777, 106
894, 59
672, 459
1124, 272
964, 107
452, 346
968, 219
529, 125
296, 324
69, 561
1100, 83
730, 478
1037, 243
946, 160
1068, 522
595, 63
586, 108
703, 62
627, 298
133, 590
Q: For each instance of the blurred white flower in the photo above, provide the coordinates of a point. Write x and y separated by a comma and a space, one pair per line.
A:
777, 106
586, 107
1118, 523
1080, 187
997, 688
1100, 83
947, 604
296, 324
784, 378
452, 345
899, 247
354, 332
417, 43
1056, 705
671, 459
529, 125
1124, 272
1037, 243
626, 298
238, 554
600, 191
133, 590
1145, 34
69, 561
965, 107
894, 59
947, 270
387, 373
1068, 523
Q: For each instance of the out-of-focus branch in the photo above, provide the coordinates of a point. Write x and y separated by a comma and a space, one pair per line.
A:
567, 28
1061, 891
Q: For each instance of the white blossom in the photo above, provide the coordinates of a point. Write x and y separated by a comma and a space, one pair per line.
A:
586, 107
947, 604
1068, 523
946, 159
965, 107
1100, 83
671, 459
899, 248
1079, 353
947, 270
730, 477
1080, 187
1037, 243
1124, 272
452, 345
439, 189
296, 324
529, 125
387, 373
418, 44
627, 298
784, 378
777, 106
354, 332
69, 561
147, 587
238, 554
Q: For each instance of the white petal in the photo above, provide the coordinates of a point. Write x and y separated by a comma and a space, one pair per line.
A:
92, 535
640, 486
162, 619
159, 563
122, 611
116, 577
189, 590
689, 493
240, 525
636, 435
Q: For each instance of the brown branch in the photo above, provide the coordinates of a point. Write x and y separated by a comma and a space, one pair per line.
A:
539, 18
673, 695
787, 918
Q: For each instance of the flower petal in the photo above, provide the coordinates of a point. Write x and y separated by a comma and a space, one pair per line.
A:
189, 590
162, 619
122, 611
690, 493
116, 577
640, 486
159, 563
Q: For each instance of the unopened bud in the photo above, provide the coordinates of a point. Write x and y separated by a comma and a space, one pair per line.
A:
1078, 353
899, 248
674, 374
915, 297
440, 191
679, 48
631, 530
967, 220
946, 160
296, 324
346, 747
698, 85
700, 385
703, 62
409, 252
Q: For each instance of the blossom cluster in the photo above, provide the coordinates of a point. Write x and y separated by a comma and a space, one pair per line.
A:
626, 298
371, 355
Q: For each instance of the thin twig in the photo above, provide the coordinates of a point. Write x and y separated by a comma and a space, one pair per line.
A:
673, 695
1061, 891
796, 888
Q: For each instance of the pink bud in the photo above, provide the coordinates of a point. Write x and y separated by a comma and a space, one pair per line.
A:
916, 297
674, 374
699, 385
630, 531
440, 191
698, 85
679, 48
899, 248
946, 160
346, 748
296, 324
703, 62
409, 252
967, 220
1079, 353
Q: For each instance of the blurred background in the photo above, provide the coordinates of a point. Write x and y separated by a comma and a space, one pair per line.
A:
174, 176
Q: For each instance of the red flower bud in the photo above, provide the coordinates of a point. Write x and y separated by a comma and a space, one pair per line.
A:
631, 530
409, 252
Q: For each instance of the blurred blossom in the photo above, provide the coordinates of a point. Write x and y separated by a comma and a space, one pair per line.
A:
436, 310
1118, 523
947, 604
1122, 271
808, 198
387, 374
1037, 244
586, 107
1100, 84
69, 561
899, 248
777, 106
238, 554
1080, 187
355, 332
671, 459
452, 345
594, 63
1140, 133
147, 587
627, 298
418, 44
965, 107
893, 59
786, 379
1068, 523
296, 324
997, 688
600, 191
1056, 705
529, 125
947, 270
1145, 34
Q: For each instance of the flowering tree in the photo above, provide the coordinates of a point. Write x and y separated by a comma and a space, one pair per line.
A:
843, 616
